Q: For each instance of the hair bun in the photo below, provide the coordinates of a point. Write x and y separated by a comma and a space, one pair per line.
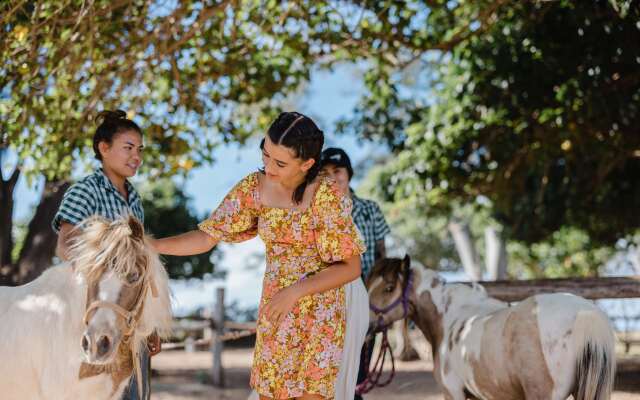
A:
109, 115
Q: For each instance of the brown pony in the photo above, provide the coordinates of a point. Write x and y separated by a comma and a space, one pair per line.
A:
546, 347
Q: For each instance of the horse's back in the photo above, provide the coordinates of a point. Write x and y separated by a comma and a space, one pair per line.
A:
55, 284
529, 348
37, 324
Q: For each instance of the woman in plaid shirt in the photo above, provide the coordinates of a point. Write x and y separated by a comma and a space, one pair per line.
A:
118, 146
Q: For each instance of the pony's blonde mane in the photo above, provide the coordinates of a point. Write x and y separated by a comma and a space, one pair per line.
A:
107, 244
157, 314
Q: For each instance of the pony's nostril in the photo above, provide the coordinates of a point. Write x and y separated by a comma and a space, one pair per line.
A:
85, 343
104, 344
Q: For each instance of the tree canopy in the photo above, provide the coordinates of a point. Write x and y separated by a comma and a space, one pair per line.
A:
193, 74
536, 118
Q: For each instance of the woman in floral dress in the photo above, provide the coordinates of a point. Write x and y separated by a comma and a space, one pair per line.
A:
312, 250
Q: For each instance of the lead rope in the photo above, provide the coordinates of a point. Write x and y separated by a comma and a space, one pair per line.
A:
151, 284
374, 375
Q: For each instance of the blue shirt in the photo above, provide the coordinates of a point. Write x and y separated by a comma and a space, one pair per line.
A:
96, 195
372, 226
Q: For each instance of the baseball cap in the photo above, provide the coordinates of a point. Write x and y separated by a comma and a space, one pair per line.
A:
337, 157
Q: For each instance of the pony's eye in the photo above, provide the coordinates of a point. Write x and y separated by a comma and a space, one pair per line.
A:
133, 277
389, 289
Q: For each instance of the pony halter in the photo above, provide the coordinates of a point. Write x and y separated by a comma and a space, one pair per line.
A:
130, 318
402, 300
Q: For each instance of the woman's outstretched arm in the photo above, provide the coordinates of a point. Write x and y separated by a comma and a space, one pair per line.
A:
186, 244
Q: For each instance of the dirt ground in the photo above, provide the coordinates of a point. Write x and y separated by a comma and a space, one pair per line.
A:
185, 376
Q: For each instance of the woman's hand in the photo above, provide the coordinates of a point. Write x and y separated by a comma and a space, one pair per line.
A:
153, 242
154, 344
281, 304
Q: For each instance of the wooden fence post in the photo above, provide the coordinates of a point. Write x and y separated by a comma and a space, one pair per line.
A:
216, 342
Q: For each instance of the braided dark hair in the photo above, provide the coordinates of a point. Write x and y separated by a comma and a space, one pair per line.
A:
110, 124
299, 133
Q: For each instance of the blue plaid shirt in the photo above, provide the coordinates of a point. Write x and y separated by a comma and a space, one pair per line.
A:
372, 226
95, 194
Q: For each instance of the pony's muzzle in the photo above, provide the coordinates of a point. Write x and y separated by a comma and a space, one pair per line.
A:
98, 348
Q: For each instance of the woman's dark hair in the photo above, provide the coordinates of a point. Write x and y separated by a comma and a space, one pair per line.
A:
300, 134
110, 124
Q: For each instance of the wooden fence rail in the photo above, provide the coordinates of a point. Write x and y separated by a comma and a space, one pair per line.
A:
589, 288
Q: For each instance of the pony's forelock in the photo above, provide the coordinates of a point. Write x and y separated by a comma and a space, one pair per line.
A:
106, 244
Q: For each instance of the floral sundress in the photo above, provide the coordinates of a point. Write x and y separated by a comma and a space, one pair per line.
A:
302, 354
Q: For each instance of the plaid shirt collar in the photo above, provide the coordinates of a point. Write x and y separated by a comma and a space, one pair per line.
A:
104, 180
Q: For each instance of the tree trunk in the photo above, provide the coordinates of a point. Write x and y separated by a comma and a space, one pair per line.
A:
466, 249
7, 188
496, 257
40, 244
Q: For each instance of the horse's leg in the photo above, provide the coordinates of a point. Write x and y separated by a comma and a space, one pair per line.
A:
452, 386
454, 395
408, 352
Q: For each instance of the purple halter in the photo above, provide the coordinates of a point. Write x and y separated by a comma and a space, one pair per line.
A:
403, 299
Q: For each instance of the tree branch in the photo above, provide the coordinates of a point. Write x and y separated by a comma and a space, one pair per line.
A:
13, 179
196, 26
7, 15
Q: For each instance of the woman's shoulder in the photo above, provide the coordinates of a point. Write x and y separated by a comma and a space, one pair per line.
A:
250, 181
327, 184
248, 186
87, 186
326, 191
252, 178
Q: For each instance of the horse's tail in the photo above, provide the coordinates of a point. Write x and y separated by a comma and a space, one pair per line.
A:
595, 358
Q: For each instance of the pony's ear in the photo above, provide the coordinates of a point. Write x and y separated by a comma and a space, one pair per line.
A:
137, 230
406, 262
406, 267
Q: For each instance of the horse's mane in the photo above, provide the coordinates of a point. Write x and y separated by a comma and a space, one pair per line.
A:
106, 244
157, 315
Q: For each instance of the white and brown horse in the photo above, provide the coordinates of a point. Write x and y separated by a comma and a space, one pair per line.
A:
75, 332
546, 347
